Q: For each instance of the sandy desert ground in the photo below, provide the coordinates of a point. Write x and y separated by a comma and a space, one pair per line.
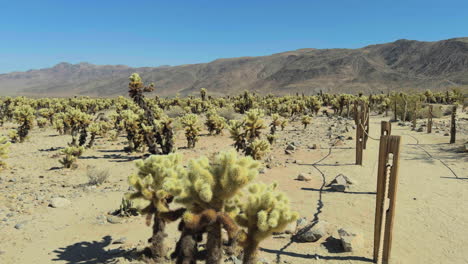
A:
431, 224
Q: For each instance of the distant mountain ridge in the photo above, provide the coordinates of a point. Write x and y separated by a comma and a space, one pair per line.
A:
399, 65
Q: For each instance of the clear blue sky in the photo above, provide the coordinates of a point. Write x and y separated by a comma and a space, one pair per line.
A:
41, 33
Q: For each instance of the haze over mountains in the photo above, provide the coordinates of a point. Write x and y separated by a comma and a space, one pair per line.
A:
400, 65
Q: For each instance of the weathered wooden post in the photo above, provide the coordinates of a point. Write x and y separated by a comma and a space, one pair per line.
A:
415, 116
429, 120
366, 124
359, 134
453, 126
387, 168
385, 128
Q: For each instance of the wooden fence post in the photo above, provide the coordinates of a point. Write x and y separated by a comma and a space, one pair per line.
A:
429, 120
385, 128
359, 135
366, 124
388, 145
453, 126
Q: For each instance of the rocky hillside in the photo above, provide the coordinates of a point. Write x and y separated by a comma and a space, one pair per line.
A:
402, 65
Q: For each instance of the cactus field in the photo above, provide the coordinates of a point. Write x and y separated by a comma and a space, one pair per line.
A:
143, 178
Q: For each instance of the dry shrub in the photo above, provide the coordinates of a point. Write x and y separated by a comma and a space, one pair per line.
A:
97, 176
228, 113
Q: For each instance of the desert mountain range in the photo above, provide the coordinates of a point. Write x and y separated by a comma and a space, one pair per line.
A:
399, 65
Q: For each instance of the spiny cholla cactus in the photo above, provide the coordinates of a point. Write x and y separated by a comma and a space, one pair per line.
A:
131, 123
24, 116
151, 198
253, 123
306, 120
237, 134
263, 212
192, 129
258, 149
71, 154
203, 93
214, 122
41, 122
4, 145
275, 122
209, 186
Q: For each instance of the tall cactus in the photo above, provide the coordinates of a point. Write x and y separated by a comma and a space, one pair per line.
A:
24, 116
192, 129
209, 186
151, 198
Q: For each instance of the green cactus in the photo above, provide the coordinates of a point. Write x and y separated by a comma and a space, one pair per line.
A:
24, 116
306, 120
151, 198
275, 122
214, 122
254, 123
71, 155
192, 129
4, 146
263, 212
258, 149
209, 186
203, 93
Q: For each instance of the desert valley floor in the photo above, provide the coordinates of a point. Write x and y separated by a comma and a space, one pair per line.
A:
431, 224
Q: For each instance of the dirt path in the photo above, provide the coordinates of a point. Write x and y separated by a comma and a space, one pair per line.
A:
431, 218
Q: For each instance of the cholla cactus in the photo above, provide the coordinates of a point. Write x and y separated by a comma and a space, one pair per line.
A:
71, 154
263, 212
237, 134
258, 149
192, 129
209, 186
24, 116
254, 124
203, 93
4, 145
214, 122
151, 198
284, 123
275, 122
306, 120
41, 122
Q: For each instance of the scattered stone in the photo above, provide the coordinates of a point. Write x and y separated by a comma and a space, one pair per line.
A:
350, 240
420, 129
340, 183
114, 219
446, 134
298, 161
20, 225
313, 232
120, 240
303, 177
301, 223
59, 202
288, 152
314, 146
350, 138
291, 147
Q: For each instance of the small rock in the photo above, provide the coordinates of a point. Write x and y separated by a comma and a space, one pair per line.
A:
114, 219
420, 129
313, 232
446, 134
301, 223
291, 147
59, 202
20, 225
120, 240
288, 152
303, 177
350, 240
298, 161
314, 146
234, 260
350, 138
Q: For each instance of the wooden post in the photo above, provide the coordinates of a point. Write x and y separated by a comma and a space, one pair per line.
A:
366, 124
385, 128
415, 115
359, 136
429, 120
388, 145
453, 126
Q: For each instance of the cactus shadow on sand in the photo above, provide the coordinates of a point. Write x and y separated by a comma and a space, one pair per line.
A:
93, 252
